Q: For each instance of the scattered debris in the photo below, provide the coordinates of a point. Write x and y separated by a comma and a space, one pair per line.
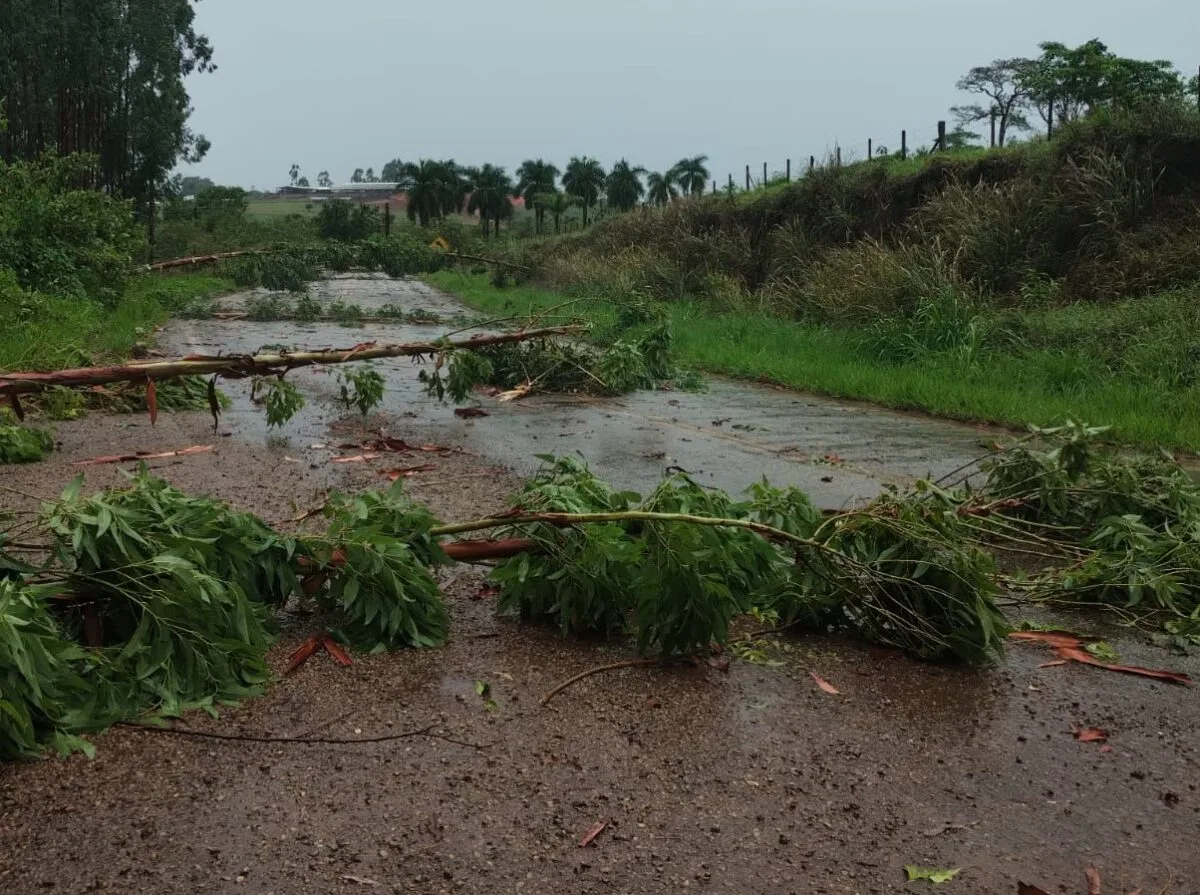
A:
516, 394
628, 663
927, 873
407, 472
357, 458
1026, 889
1071, 648
312, 645
484, 691
1091, 734
590, 836
146, 455
1093, 880
824, 684
470, 413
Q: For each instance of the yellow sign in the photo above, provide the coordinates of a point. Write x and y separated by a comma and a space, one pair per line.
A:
440, 243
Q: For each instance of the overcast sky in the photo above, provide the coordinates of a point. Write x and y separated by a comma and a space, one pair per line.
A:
339, 85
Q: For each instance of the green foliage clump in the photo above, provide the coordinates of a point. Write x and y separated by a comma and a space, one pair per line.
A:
281, 399
361, 389
43, 692
377, 551
348, 222
582, 579
903, 573
22, 444
60, 239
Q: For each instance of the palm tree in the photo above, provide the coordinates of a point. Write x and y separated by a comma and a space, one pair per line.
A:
661, 189
458, 186
536, 178
557, 204
429, 193
492, 197
584, 179
624, 186
691, 174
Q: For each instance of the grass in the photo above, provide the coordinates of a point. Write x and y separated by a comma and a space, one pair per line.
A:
1038, 385
51, 332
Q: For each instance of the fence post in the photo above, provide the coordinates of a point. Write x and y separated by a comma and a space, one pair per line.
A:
731, 183
870, 149
387, 218
747, 178
837, 154
941, 143
812, 162
903, 145
789, 170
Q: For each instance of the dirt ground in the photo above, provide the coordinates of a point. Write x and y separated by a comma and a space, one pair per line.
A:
751, 780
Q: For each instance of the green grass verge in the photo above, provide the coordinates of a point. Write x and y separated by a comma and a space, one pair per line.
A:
50, 332
1029, 386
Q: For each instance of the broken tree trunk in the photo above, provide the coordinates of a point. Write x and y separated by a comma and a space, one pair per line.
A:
196, 259
240, 366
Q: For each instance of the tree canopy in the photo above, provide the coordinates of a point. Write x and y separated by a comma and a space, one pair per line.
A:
624, 186
106, 78
584, 179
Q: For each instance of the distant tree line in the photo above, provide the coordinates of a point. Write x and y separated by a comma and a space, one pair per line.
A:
105, 78
1062, 84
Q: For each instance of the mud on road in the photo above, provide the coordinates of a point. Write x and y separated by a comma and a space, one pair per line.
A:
752, 780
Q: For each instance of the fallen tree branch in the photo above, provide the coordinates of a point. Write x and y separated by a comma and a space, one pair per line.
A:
301, 741
240, 366
195, 259
483, 260
615, 666
566, 520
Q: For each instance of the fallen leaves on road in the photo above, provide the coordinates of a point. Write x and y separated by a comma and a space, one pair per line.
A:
1091, 735
1093, 880
407, 472
516, 394
590, 836
144, 455
388, 445
824, 684
929, 873
314, 643
1071, 648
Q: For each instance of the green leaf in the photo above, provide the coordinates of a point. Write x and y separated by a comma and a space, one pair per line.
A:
926, 873
1102, 650
482, 688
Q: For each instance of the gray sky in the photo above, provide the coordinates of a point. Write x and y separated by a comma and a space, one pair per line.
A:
339, 85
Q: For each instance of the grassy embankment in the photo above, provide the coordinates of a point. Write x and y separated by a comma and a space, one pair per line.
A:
52, 332
1039, 386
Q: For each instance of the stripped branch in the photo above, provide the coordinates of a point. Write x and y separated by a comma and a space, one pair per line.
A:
240, 366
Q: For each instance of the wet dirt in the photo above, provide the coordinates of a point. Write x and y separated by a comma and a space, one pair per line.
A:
750, 780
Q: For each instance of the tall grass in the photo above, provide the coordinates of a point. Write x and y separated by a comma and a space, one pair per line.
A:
47, 332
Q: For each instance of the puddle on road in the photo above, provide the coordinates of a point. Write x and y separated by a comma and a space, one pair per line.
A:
728, 437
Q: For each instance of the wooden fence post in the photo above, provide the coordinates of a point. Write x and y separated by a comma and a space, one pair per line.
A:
903, 145
747, 178
731, 183
837, 154
941, 140
387, 218
870, 149
812, 162
789, 170
764, 173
